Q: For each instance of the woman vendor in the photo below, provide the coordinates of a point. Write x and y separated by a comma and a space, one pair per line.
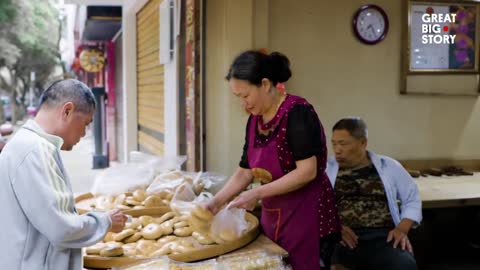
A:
285, 146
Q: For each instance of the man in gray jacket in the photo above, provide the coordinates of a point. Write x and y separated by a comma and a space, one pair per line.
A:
378, 203
40, 226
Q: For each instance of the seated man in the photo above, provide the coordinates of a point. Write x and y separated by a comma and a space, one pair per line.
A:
367, 189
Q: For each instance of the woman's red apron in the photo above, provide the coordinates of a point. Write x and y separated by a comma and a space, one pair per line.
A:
296, 220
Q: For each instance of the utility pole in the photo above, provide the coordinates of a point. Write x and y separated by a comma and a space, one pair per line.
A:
31, 110
32, 83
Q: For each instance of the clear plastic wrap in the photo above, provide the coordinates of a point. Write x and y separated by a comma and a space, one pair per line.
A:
164, 263
251, 260
185, 199
212, 181
161, 263
137, 174
228, 225
170, 180
158, 163
203, 265
122, 178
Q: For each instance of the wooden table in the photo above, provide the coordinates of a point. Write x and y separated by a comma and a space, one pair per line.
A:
449, 191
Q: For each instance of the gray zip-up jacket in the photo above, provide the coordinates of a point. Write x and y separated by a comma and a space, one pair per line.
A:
40, 228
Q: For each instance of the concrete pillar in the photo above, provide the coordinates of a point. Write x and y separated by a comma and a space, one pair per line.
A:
129, 36
232, 26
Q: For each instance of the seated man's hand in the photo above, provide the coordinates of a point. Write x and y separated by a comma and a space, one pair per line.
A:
349, 238
401, 238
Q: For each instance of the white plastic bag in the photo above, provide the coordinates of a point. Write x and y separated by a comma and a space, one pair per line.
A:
253, 259
159, 164
229, 224
122, 178
203, 265
185, 199
137, 174
168, 180
213, 182
161, 263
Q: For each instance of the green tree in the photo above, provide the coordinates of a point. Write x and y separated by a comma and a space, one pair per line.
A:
7, 11
30, 29
11, 26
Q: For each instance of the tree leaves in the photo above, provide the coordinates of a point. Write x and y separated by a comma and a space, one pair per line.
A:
29, 35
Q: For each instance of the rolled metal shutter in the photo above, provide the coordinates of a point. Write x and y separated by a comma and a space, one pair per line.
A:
150, 85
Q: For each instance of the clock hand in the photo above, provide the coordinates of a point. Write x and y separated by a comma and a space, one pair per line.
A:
373, 30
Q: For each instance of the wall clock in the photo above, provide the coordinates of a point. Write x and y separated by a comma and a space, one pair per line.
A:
370, 24
92, 60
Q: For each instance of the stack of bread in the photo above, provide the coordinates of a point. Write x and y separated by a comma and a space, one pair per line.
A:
156, 195
139, 199
148, 236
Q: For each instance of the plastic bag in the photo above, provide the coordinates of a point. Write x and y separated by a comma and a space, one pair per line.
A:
185, 199
204, 265
213, 182
209, 181
135, 175
159, 164
122, 178
228, 225
169, 180
251, 260
161, 263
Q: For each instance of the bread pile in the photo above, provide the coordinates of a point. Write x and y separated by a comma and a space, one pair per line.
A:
147, 237
138, 199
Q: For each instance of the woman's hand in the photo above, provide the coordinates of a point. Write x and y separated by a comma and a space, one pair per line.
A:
246, 200
238, 182
212, 206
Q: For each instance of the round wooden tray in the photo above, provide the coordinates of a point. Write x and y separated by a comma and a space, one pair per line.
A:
83, 202
200, 253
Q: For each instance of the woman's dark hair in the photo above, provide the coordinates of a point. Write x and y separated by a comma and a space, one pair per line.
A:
253, 66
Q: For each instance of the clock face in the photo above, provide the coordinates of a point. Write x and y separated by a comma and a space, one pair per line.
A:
92, 60
370, 24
